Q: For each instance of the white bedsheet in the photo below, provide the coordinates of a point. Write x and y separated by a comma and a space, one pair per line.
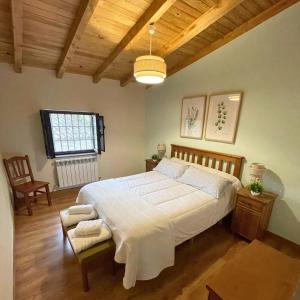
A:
152, 209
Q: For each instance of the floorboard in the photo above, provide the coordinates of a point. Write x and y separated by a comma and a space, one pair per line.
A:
47, 269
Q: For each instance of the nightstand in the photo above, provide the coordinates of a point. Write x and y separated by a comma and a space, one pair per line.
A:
151, 164
251, 214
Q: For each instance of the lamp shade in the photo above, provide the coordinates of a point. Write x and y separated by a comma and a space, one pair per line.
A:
150, 69
257, 170
161, 149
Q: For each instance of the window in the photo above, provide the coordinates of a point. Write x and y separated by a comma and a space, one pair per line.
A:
72, 132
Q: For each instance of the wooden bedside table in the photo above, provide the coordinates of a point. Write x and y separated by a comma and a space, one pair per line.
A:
252, 213
151, 164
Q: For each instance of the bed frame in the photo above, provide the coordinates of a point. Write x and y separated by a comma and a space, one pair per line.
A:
217, 160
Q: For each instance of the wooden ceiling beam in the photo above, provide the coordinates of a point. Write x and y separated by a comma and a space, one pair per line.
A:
253, 22
17, 28
83, 15
204, 21
151, 15
200, 24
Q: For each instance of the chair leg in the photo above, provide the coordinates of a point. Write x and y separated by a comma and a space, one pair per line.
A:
28, 205
85, 280
35, 196
15, 199
48, 195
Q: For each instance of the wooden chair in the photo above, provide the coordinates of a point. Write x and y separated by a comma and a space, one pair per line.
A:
18, 170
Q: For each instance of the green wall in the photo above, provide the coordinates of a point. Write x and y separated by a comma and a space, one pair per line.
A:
265, 64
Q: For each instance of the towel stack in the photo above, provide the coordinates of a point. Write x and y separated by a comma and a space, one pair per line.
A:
87, 234
77, 213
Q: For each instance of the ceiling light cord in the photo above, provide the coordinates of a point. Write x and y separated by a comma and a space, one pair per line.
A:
151, 32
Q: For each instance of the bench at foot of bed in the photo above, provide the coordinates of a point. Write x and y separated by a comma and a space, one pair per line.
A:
93, 257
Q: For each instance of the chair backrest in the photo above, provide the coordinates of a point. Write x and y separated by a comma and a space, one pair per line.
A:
18, 168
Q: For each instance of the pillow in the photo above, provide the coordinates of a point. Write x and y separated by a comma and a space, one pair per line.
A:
225, 175
170, 168
210, 183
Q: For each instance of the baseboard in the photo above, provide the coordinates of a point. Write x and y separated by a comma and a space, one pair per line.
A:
282, 239
65, 190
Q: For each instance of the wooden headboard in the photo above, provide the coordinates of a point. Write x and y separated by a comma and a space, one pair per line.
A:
221, 161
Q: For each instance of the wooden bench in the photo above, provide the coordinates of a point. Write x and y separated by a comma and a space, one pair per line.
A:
93, 257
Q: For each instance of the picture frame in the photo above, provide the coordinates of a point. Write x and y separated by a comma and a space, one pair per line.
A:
222, 117
192, 117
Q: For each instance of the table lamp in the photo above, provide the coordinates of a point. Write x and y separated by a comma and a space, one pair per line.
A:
161, 150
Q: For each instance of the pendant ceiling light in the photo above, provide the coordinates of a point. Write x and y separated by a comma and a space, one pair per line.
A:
150, 69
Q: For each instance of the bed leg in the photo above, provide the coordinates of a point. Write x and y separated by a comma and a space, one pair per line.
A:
85, 280
114, 268
191, 241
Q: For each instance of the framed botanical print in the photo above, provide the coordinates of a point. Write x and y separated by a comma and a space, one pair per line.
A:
192, 117
222, 117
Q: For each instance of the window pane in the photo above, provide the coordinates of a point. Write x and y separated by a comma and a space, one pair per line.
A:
64, 145
63, 133
71, 145
57, 146
68, 120
76, 133
81, 132
88, 132
54, 119
55, 133
70, 134
87, 120
75, 120
83, 144
89, 144
73, 132
77, 146
80, 120
61, 120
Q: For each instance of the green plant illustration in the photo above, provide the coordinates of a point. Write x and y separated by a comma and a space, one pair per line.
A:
221, 116
192, 116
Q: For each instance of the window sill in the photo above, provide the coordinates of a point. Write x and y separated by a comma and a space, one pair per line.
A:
75, 155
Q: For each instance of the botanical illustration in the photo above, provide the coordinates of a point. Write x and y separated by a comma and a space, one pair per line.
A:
192, 117
222, 117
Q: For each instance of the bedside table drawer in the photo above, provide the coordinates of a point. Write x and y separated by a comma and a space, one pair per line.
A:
249, 203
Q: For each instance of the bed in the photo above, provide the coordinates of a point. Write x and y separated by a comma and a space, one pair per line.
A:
151, 213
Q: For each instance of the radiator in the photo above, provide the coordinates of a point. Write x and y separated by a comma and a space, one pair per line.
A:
77, 171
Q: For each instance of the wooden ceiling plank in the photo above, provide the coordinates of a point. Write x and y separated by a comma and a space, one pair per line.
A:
17, 28
253, 22
83, 15
152, 14
199, 25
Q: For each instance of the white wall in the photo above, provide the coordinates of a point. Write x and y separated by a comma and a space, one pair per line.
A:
23, 95
6, 240
265, 64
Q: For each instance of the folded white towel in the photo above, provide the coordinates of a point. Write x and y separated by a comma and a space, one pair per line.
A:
81, 209
88, 228
69, 220
82, 243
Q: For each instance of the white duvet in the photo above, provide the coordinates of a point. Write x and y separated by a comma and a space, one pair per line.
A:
149, 214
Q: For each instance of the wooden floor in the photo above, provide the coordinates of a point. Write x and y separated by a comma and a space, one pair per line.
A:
46, 268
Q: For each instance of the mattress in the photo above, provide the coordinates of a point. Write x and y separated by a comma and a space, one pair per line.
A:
153, 211
189, 210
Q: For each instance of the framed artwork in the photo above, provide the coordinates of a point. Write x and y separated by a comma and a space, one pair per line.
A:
222, 117
192, 117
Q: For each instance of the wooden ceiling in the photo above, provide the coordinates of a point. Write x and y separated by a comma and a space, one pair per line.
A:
102, 38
